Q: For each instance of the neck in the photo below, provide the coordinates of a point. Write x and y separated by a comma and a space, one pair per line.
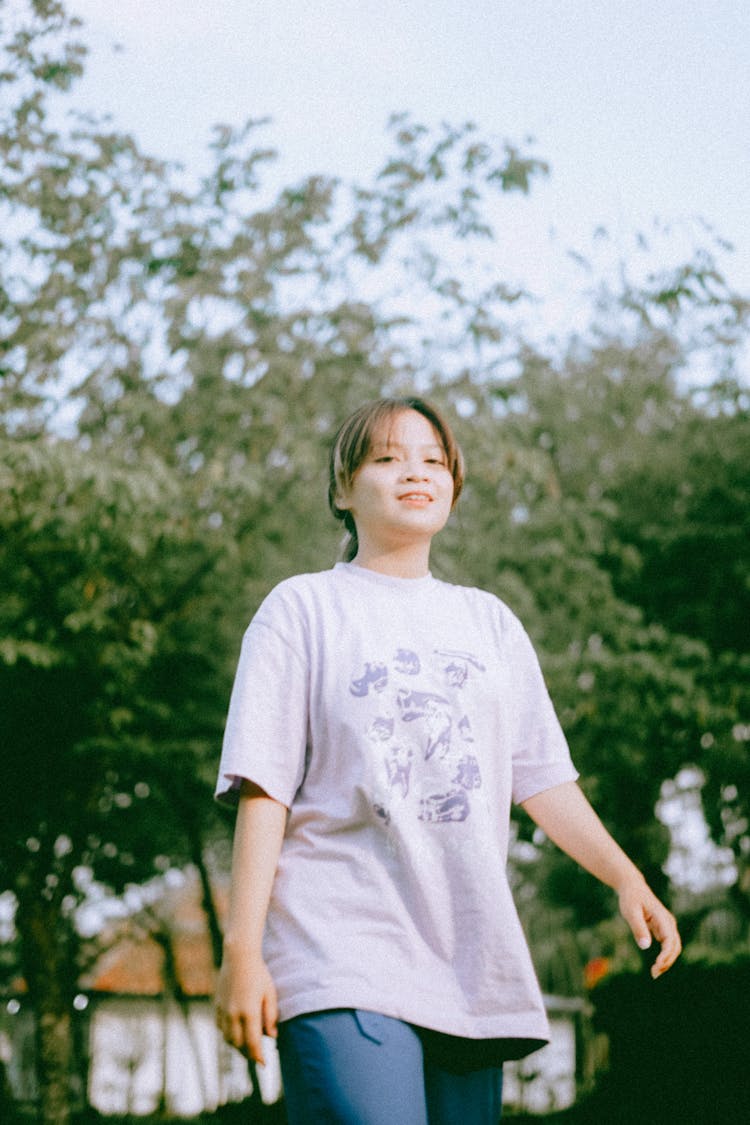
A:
409, 562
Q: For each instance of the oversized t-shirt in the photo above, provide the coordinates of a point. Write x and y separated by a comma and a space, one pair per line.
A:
396, 719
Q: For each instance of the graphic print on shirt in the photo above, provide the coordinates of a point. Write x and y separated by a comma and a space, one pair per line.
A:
421, 734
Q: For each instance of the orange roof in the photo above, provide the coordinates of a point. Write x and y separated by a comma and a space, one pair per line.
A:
134, 963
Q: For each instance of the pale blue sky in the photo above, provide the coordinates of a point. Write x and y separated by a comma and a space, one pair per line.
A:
642, 108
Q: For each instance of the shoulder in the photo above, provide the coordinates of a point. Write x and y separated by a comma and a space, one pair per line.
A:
295, 595
290, 615
480, 603
303, 585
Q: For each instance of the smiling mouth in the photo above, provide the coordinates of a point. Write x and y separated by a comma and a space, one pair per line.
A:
422, 496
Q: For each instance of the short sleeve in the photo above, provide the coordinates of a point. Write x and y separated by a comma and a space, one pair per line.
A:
265, 738
541, 758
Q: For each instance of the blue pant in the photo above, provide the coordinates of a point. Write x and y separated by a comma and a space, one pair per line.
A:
352, 1067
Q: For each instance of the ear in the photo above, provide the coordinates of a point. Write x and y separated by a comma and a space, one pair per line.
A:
341, 500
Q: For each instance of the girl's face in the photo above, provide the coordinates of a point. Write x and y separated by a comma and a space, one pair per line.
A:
402, 493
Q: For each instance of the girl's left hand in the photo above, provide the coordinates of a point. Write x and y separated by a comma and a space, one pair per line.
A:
647, 915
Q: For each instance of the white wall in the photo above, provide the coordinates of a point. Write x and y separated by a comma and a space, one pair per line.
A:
142, 1050
545, 1080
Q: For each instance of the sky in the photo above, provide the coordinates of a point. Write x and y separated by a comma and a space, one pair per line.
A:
641, 107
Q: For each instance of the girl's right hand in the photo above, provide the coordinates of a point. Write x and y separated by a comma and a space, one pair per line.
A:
246, 1005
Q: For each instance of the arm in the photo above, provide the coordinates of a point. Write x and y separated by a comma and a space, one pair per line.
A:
565, 815
245, 994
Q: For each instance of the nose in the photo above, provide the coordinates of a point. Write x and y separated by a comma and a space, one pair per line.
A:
416, 470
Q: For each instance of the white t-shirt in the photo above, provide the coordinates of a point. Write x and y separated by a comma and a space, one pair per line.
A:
397, 719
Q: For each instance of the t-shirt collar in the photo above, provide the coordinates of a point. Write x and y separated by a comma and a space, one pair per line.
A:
364, 574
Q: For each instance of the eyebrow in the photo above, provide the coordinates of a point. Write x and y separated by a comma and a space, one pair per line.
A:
388, 444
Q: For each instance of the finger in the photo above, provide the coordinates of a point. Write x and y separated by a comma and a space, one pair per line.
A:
234, 1032
270, 1014
664, 927
224, 1024
253, 1039
662, 963
670, 950
639, 926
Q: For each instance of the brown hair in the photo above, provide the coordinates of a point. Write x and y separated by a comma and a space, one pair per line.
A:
352, 443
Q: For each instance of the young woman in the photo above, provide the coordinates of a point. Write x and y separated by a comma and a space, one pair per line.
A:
380, 725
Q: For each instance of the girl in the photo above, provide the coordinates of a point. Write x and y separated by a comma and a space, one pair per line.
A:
380, 725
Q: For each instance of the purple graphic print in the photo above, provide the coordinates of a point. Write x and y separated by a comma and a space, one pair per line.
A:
374, 676
442, 807
407, 662
420, 738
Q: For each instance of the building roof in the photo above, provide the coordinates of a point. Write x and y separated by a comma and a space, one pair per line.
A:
163, 950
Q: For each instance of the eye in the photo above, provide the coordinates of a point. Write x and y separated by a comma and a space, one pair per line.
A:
384, 459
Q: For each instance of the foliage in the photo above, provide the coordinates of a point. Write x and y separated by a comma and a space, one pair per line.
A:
174, 360
106, 656
580, 468
662, 1046
103, 567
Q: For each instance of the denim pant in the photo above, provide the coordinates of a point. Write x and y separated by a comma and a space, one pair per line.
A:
353, 1067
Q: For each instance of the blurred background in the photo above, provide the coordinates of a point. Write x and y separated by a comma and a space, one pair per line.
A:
537, 215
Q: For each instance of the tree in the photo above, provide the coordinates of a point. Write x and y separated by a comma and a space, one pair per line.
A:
172, 363
614, 487
104, 571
